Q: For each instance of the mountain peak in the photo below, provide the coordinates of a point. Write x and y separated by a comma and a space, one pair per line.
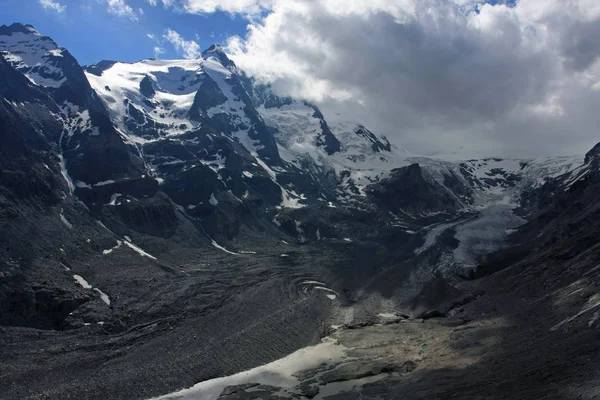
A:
99, 67
593, 156
217, 52
18, 28
214, 48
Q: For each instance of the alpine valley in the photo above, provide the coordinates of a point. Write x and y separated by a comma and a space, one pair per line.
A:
173, 228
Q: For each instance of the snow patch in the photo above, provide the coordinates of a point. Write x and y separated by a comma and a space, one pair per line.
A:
332, 294
82, 282
139, 251
264, 166
175, 82
104, 183
113, 199
81, 184
103, 296
313, 283
218, 246
281, 373
65, 221
63, 169
289, 201
592, 303
108, 251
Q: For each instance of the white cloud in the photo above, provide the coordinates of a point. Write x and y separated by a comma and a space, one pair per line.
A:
52, 5
435, 74
158, 51
165, 3
121, 9
188, 48
248, 7
151, 36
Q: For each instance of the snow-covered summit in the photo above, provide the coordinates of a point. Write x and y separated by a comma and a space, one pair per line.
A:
217, 52
36, 56
155, 99
172, 83
197, 103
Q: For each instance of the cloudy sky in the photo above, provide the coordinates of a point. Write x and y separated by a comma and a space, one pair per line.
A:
511, 78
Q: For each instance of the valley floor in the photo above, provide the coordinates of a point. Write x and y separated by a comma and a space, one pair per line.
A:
373, 331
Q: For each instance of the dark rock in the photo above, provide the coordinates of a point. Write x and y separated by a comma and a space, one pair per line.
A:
306, 376
452, 321
407, 366
327, 139
407, 190
151, 216
356, 370
36, 306
146, 87
209, 95
592, 157
376, 144
228, 390
309, 391
436, 297
217, 51
431, 314
16, 28
100, 67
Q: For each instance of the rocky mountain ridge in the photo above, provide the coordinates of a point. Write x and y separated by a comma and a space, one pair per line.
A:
164, 118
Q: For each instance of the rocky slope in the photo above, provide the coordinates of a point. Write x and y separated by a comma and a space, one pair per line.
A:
172, 221
524, 324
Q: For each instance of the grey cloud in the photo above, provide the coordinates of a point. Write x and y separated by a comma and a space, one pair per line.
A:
435, 78
580, 44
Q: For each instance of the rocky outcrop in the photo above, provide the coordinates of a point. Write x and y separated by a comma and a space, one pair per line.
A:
406, 191
592, 157
146, 87
100, 67
35, 305
376, 144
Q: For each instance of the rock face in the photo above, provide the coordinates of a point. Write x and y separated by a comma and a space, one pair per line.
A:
407, 191
376, 144
177, 212
592, 157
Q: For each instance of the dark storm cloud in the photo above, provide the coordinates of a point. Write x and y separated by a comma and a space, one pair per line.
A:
438, 75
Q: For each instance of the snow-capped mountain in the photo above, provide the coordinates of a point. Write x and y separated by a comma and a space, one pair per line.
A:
156, 100
203, 132
193, 103
36, 56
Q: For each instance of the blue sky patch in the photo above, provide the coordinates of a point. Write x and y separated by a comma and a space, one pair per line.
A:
91, 33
